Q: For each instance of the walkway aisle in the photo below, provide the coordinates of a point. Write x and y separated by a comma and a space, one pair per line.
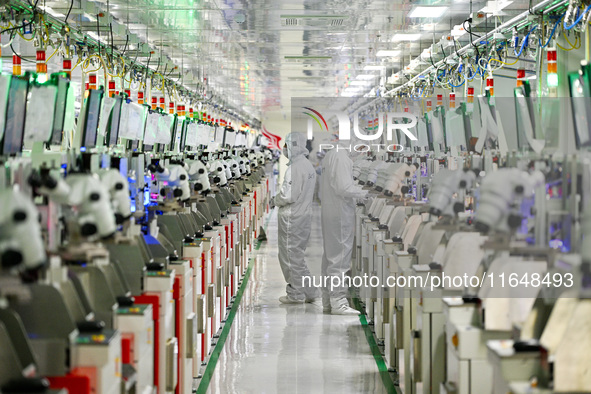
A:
274, 348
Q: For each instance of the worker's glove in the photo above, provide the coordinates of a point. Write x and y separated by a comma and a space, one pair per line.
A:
272, 203
364, 200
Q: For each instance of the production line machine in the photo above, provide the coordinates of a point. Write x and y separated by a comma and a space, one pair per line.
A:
502, 220
124, 282
507, 222
393, 241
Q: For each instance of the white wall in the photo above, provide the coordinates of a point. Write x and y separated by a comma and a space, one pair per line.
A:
279, 122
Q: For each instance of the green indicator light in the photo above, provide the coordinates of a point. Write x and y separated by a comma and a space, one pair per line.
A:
552, 80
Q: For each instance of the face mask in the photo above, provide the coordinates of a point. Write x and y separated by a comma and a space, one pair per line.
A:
285, 152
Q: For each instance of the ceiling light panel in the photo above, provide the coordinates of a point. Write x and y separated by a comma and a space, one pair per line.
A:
405, 37
360, 83
427, 12
373, 68
366, 77
387, 53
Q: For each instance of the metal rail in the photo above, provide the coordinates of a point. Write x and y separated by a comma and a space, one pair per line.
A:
520, 19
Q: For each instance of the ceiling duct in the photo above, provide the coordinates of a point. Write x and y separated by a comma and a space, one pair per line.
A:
290, 22
308, 59
314, 21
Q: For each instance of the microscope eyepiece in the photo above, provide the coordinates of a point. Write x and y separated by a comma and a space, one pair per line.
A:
482, 227
19, 216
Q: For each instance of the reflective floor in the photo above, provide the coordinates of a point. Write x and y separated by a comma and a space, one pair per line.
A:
274, 348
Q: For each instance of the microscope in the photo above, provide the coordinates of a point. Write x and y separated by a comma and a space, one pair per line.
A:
21, 245
448, 187
175, 176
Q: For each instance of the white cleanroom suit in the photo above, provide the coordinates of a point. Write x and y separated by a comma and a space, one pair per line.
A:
294, 200
339, 195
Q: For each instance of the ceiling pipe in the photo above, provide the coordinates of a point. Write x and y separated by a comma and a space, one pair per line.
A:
520, 19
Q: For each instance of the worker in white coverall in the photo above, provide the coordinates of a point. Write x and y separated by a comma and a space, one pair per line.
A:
295, 219
339, 196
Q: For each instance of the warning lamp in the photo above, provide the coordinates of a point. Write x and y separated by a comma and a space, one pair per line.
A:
16, 65
41, 65
67, 67
490, 86
452, 100
520, 76
111, 88
552, 75
470, 95
92, 81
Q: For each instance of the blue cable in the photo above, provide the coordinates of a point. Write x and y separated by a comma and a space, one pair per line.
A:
420, 94
483, 70
579, 17
457, 86
438, 76
551, 33
524, 42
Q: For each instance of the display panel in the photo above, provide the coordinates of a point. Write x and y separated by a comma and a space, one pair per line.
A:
115, 122
229, 137
183, 137
59, 116
16, 111
455, 128
151, 130
91, 120
580, 93
523, 114
4, 88
177, 133
40, 111
191, 139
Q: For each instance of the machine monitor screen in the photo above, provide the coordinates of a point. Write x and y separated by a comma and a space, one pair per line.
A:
175, 132
93, 111
429, 130
133, 145
114, 122
467, 124
229, 137
59, 116
523, 113
455, 128
14, 128
581, 107
183, 136
438, 129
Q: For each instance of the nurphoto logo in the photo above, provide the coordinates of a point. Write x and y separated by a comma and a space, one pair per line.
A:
401, 121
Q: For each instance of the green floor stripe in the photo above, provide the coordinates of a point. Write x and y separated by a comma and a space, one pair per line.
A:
215, 354
375, 350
